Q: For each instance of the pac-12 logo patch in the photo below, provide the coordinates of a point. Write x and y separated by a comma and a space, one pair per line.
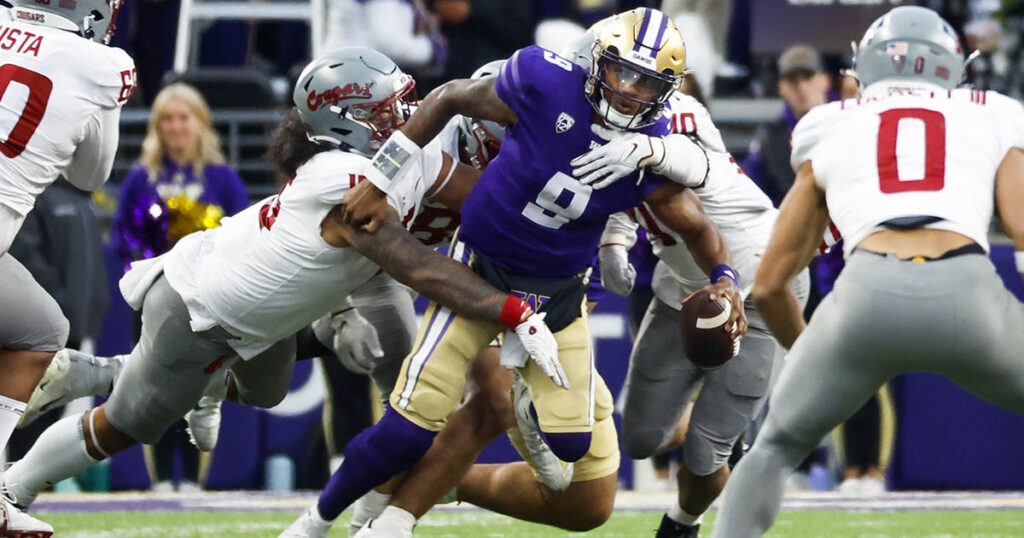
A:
564, 123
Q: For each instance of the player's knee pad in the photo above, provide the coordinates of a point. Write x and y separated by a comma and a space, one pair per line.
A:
264, 399
704, 455
641, 444
53, 336
569, 447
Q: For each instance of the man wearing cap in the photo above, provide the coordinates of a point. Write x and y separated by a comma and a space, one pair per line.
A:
804, 85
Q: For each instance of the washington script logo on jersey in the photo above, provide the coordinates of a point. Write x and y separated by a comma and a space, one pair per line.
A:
352, 90
564, 123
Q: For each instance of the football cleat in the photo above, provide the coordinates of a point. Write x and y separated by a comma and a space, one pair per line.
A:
553, 472
17, 524
670, 528
71, 375
204, 423
309, 525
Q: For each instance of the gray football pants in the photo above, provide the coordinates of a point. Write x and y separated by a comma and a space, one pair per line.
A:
885, 317
171, 366
32, 320
661, 382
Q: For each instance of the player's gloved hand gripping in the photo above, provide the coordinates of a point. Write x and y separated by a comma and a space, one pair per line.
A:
625, 153
676, 156
725, 283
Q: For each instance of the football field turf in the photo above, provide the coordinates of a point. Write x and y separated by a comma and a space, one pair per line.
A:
264, 515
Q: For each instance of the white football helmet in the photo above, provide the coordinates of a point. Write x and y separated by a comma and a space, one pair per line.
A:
354, 97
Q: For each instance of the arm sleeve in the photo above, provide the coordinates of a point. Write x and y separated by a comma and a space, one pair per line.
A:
93, 158
686, 161
620, 230
391, 23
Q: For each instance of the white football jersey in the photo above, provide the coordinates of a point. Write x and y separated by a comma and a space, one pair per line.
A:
901, 151
742, 212
266, 272
53, 87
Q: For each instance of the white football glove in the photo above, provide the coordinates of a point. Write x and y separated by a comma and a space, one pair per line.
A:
356, 342
625, 153
533, 339
617, 274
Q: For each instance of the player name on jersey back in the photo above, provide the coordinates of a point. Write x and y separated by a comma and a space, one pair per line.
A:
902, 151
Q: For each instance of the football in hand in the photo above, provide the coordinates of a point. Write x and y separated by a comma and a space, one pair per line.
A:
702, 322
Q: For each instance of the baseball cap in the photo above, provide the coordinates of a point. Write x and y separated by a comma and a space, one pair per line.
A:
799, 58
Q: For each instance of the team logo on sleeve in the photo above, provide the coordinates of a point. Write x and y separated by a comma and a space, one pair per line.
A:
564, 123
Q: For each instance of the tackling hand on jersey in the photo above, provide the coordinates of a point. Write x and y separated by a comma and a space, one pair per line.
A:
625, 153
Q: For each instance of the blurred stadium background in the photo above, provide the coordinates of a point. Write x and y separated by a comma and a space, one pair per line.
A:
242, 57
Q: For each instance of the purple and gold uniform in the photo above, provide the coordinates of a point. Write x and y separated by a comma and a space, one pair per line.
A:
527, 201
531, 228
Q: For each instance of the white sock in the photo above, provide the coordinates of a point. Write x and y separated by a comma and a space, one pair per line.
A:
368, 507
59, 453
10, 413
398, 518
676, 513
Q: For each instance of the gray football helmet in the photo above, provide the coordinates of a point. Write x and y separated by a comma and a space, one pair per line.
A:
91, 19
354, 97
480, 140
910, 43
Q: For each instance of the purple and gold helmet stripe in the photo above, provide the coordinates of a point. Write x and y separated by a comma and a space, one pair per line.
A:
652, 29
643, 30
661, 32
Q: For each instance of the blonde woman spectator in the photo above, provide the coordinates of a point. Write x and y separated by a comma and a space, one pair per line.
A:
180, 183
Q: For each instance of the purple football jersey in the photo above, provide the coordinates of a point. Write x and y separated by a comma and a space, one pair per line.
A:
527, 213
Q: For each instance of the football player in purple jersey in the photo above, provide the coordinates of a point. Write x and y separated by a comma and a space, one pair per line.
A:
531, 228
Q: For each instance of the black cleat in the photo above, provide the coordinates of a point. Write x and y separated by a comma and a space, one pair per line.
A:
672, 529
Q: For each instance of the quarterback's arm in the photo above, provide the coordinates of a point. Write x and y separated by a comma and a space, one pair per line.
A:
94, 156
798, 230
474, 98
1009, 200
680, 210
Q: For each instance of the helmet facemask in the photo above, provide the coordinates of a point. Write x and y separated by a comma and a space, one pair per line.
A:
97, 27
616, 81
383, 117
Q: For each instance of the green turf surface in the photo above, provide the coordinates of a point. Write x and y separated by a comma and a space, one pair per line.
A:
482, 524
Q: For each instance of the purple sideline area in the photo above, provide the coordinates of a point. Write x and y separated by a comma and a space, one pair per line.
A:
946, 438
